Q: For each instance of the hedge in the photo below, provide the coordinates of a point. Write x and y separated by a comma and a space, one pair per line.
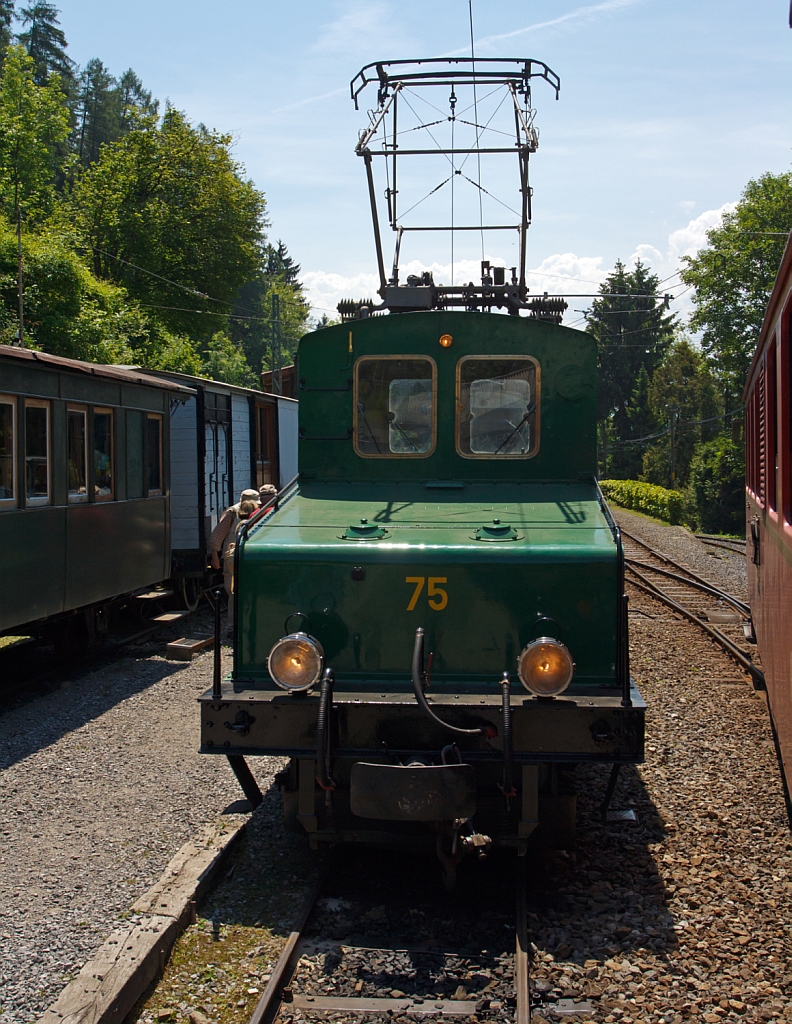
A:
647, 498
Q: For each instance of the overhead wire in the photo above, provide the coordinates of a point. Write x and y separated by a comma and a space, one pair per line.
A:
475, 115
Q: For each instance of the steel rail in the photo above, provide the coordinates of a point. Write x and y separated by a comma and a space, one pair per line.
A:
273, 996
278, 989
676, 565
737, 546
739, 656
521, 964
739, 606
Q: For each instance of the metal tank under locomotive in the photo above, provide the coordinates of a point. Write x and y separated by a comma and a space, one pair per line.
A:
431, 622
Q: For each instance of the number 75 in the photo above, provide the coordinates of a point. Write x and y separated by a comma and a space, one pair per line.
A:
437, 597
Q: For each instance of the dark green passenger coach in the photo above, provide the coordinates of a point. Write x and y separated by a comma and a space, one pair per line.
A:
431, 623
84, 487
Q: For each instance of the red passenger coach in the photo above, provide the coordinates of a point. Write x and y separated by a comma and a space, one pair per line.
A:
768, 473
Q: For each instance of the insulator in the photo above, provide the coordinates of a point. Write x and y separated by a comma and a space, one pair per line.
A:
348, 309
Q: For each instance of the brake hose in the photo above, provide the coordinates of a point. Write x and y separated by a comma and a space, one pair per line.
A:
323, 776
417, 684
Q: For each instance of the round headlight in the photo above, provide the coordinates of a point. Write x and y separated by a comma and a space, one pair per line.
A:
545, 667
296, 662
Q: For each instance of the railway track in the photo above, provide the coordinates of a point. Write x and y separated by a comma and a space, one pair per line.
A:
724, 617
733, 544
294, 991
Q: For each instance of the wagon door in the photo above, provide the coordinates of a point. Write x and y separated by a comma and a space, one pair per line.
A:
217, 431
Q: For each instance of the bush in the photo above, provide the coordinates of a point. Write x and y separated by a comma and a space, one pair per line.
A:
647, 498
716, 491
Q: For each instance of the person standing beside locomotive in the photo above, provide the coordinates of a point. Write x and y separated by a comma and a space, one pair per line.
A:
222, 542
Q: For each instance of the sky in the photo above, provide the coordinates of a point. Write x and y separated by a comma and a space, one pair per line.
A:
667, 109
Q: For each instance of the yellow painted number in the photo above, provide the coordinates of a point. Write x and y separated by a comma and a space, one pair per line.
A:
437, 597
419, 585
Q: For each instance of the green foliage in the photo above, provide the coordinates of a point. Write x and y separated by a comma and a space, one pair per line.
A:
70, 313
224, 361
682, 394
647, 498
717, 486
34, 120
252, 325
633, 331
140, 241
6, 20
166, 213
107, 109
734, 275
46, 43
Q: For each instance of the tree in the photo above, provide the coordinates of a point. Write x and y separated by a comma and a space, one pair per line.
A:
6, 20
682, 394
252, 323
166, 213
225, 361
717, 486
45, 43
34, 120
99, 111
70, 313
733, 277
631, 331
135, 102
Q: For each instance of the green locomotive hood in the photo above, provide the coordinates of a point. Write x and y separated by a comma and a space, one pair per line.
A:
483, 568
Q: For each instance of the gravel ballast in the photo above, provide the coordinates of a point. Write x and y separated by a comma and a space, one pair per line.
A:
102, 783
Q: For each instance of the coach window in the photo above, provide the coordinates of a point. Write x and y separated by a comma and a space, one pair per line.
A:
103, 454
394, 415
77, 452
154, 454
497, 407
37, 476
7, 452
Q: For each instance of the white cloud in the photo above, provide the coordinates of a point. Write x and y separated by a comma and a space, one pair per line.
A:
579, 14
360, 28
559, 274
555, 274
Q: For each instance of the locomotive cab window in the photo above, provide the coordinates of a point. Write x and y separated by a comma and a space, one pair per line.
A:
77, 452
395, 406
7, 452
497, 407
103, 454
37, 427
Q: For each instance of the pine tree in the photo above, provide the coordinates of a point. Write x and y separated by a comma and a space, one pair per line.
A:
99, 111
6, 18
46, 43
278, 263
134, 101
632, 330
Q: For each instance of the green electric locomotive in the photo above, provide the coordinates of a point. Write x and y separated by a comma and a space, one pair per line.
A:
430, 621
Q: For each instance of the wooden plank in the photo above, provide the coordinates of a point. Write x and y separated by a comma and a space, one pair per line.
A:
110, 984
187, 877
171, 616
385, 1006
186, 647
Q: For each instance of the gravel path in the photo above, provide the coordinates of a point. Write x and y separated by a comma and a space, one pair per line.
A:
101, 784
726, 569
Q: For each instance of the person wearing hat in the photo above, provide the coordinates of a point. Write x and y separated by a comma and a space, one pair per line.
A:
222, 542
